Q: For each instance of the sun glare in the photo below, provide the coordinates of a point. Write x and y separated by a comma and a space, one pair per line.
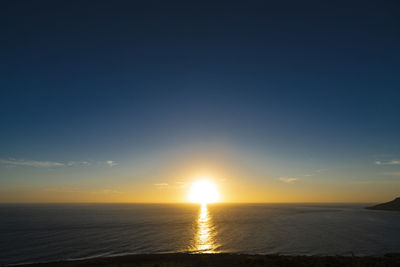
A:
203, 192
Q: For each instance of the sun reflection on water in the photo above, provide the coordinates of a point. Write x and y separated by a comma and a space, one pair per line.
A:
204, 240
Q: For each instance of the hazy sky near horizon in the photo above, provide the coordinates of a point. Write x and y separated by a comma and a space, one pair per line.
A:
279, 101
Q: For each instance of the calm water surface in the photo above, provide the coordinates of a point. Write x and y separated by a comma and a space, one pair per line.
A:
48, 232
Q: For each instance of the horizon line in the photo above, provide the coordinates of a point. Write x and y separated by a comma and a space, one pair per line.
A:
190, 203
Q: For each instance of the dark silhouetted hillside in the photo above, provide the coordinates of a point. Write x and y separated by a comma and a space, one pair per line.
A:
391, 205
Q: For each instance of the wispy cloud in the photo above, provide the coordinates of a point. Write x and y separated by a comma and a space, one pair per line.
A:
31, 163
173, 185
180, 184
68, 190
78, 163
111, 163
50, 164
388, 162
161, 184
107, 192
288, 179
63, 190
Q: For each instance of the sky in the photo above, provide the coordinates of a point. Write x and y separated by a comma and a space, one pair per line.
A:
132, 101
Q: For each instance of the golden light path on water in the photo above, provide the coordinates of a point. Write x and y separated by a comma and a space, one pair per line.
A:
204, 239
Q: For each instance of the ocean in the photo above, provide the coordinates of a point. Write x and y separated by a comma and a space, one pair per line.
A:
53, 232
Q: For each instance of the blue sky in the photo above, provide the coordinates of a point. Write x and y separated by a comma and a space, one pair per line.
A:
94, 91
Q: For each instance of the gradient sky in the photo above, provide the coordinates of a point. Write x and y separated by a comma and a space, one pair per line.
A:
277, 101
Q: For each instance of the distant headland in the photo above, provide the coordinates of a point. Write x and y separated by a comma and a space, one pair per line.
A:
391, 205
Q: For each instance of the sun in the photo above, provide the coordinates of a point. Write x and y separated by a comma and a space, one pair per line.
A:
203, 192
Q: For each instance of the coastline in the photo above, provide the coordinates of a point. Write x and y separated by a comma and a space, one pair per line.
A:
225, 259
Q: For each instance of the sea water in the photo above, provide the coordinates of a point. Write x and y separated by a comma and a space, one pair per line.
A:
52, 232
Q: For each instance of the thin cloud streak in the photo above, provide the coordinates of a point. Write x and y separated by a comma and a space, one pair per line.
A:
51, 164
176, 185
111, 163
161, 184
288, 179
78, 163
67, 190
31, 163
389, 162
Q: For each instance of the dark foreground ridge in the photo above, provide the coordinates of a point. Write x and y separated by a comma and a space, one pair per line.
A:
391, 205
231, 260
